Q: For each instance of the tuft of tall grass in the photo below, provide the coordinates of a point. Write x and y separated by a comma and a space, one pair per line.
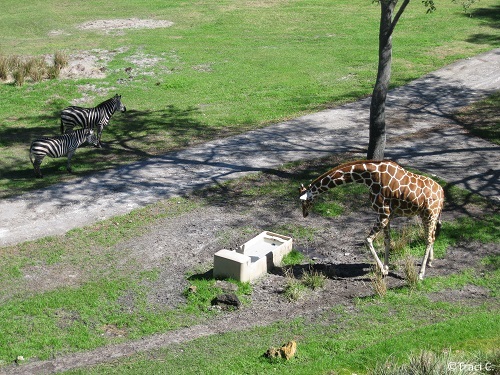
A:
294, 289
445, 363
378, 282
297, 288
19, 77
4, 67
313, 279
60, 60
35, 68
410, 271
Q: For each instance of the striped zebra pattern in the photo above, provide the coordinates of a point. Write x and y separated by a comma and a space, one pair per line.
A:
58, 146
90, 118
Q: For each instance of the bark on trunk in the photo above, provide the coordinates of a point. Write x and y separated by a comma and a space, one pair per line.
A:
376, 145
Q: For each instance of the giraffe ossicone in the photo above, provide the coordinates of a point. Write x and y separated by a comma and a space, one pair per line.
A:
394, 191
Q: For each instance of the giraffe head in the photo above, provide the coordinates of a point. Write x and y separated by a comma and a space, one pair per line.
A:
306, 198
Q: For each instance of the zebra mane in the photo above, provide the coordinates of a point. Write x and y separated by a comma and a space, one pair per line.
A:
104, 103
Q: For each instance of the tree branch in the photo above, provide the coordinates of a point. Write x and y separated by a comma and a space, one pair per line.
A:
398, 15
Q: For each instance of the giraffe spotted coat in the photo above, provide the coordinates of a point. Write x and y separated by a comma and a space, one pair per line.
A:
394, 191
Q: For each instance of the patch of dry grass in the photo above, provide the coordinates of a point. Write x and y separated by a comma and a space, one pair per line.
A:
378, 282
35, 68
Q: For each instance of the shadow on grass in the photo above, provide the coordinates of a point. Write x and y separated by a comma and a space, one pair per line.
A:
141, 140
491, 16
359, 271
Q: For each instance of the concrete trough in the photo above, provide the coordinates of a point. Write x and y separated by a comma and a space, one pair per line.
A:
252, 259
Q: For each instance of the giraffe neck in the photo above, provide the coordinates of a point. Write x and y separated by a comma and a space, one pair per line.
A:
360, 172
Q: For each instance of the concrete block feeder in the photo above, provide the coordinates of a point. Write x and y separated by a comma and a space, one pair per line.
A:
252, 259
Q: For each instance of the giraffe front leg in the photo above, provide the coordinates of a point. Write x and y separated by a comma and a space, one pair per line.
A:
387, 243
369, 243
381, 224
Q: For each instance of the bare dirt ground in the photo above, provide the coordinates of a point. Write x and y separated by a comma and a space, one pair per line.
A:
187, 242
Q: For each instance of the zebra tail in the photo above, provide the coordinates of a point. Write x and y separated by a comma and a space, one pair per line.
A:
31, 156
62, 127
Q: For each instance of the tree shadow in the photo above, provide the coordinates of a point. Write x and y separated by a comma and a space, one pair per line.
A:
423, 132
123, 139
358, 271
491, 16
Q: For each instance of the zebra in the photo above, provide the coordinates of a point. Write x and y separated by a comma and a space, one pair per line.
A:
58, 146
89, 118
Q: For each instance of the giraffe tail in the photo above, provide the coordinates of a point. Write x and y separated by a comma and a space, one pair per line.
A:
438, 227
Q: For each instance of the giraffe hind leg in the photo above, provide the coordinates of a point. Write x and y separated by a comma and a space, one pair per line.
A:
430, 230
427, 258
387, 243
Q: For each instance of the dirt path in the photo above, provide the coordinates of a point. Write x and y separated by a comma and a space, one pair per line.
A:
422, 135
425, 105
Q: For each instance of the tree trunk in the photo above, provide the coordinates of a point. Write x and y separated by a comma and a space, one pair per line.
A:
376, 145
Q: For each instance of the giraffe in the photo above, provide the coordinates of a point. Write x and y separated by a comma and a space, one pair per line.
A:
394, 191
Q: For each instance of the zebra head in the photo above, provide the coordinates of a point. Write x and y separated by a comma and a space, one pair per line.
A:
91, 137
118, 104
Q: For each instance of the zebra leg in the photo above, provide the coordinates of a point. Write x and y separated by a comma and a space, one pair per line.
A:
70, 155
99, 133
36, 165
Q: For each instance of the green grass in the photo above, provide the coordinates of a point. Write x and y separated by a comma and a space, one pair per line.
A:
341, 341
488, 124
465, 229
85, 316
294, 257
202, 291
224, 68
53, 322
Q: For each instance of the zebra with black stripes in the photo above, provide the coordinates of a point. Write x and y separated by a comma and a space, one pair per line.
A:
58, 146
90, 118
